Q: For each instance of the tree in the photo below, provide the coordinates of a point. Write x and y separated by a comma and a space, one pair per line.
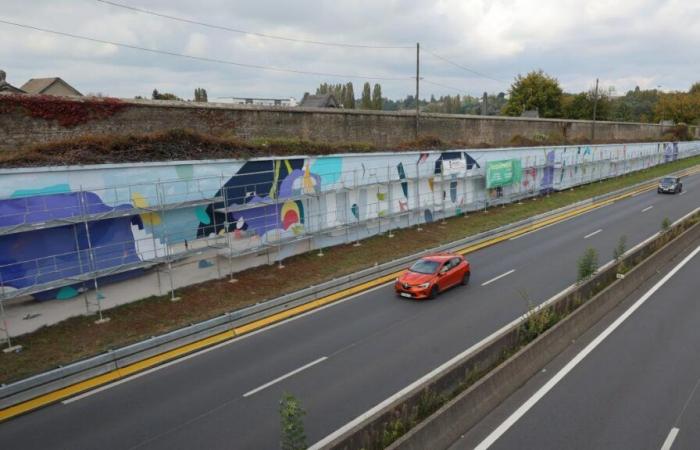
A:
377, 97
678, 107
200, 95
536, 90
292, 423
366, 101
695, 88
587, 264
349, 99
164, 96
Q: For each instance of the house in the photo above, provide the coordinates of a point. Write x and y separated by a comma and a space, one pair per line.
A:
7, 88
258, 101
319, 101
50, 86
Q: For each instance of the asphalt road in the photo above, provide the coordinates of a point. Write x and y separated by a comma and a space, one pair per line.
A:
354, 353
638, 389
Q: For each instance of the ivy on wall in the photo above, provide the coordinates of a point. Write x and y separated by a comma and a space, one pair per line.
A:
66, 112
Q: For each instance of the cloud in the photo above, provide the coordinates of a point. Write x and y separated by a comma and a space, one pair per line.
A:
624, 43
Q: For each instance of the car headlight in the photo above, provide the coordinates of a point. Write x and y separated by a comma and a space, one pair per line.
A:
424, 285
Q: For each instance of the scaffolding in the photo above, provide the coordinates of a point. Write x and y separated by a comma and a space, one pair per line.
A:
417, 194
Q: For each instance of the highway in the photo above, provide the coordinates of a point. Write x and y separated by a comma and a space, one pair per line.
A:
340, 360
633, 383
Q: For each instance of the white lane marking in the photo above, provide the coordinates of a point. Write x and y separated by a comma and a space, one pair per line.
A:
285, 376
670, 438
648, 208
593, 234
218, 346
537, 396
683, 193
498, 277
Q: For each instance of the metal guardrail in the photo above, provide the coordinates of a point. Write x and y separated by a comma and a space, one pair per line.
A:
22, 390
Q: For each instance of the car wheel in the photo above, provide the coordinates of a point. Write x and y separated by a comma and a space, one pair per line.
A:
434, 292
658, 191
465, 278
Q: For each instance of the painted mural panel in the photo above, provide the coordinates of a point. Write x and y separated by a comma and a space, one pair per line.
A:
266, 201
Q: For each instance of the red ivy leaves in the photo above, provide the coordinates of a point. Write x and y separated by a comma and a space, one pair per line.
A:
67, 112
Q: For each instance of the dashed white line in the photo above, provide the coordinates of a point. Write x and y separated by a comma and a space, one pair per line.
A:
593, 234
670, 438
648, 208
498, 277
537, 396
285, 376
683, 193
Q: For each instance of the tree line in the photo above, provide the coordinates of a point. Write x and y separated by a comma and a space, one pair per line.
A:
540, 92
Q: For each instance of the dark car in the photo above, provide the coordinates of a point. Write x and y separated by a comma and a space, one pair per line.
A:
671, 185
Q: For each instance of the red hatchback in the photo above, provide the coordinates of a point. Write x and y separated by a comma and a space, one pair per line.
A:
430, 275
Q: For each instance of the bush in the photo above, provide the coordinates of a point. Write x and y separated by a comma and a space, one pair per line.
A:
292, 423
587, 264
620, 248
665, 225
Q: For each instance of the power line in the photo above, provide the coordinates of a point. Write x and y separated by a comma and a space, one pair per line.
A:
467, 69
202, 58
444, 86
252, 33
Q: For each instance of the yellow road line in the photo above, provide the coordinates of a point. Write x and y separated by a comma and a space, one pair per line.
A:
100, 380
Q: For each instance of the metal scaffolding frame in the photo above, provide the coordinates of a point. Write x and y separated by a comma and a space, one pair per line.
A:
168, 196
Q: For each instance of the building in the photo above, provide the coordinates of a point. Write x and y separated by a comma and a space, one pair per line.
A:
50, 86
7, 88
291, 101
319, 101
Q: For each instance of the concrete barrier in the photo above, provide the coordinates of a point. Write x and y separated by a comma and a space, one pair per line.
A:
446, 425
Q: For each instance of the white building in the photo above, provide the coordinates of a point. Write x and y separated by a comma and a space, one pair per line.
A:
291, 101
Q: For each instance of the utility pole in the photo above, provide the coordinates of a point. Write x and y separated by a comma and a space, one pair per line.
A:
417, 86
595, 107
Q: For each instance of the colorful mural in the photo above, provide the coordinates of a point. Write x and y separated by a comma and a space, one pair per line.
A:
258, 202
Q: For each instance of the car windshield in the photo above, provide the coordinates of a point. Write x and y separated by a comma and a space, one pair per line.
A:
424, 266
668, 181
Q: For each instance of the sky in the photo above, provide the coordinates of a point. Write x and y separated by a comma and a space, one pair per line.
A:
625, 43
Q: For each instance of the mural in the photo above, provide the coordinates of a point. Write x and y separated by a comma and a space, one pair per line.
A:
259, 202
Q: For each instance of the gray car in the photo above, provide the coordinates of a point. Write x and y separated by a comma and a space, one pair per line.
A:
670, 185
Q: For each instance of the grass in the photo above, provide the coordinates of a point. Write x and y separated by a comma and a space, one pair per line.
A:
79, 337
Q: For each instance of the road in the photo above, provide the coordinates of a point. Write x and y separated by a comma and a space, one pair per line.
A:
637, 389
340, 360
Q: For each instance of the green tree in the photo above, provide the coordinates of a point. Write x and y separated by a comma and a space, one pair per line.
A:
695, 88
536, 90
164, 96
292, 423
587, 264
679, 107
366, 100
349, 99
200, 95
377, 97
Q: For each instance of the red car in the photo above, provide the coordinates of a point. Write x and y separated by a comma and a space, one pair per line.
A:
430, 275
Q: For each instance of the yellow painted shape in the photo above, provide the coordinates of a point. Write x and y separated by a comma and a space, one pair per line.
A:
131, 369
140, 202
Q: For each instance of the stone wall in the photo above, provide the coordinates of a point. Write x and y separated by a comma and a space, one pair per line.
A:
19, 127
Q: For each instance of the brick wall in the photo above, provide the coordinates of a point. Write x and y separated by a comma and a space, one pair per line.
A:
384, 129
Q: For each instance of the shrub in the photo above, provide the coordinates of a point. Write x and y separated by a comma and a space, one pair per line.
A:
292, 423
587, 264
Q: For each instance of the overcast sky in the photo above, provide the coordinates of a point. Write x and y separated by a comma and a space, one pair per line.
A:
625, 43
